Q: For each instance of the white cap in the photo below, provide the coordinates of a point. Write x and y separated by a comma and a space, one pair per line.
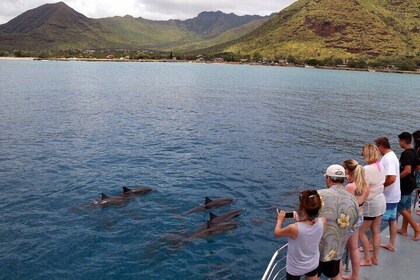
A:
336, 171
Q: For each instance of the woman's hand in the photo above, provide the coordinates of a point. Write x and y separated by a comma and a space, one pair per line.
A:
281, 215
296, 216
288, 231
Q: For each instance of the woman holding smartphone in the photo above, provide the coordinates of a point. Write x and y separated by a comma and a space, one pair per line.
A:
303, 237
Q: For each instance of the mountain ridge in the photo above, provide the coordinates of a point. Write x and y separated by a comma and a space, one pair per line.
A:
58, 26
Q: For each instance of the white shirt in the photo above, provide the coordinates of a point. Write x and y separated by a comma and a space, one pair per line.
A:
375, 204
375, 176
392, 168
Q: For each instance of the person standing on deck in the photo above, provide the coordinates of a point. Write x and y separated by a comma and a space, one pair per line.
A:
392, 188
375, 205
303, 237
357, 186
408, 163
341, 211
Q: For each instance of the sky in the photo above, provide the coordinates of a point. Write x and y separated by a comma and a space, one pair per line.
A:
148, 9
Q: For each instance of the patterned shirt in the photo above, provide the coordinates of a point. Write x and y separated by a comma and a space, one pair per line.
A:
340, 209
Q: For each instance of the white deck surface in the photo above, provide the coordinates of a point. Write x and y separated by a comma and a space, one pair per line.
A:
402, 264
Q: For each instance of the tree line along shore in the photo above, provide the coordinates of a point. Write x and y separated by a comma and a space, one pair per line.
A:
400, 64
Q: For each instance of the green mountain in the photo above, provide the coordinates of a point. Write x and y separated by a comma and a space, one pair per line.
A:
40, 29
57, 26
336, 28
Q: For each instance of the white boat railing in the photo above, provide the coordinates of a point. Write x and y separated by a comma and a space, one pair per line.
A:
276, 268
277, 265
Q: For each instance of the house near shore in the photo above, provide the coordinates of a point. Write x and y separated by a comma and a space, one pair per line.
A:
282, 62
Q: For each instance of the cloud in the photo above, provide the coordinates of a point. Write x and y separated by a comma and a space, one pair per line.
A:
10, 9
182, 9
149, 9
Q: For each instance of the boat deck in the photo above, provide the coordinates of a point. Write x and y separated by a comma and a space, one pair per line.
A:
401, 264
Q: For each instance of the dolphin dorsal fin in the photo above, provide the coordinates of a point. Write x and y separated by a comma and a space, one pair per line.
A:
125, 189
212, 216
104, 196
208, 200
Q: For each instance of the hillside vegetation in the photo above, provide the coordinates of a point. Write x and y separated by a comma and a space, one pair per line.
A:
343, 29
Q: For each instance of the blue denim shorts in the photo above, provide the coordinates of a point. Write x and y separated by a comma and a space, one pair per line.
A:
405, 202
390, 213
356, 226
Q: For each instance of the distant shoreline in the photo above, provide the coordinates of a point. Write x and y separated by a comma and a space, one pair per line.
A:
16, 58
380, 70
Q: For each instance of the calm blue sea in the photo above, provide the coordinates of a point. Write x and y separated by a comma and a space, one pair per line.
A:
71, 130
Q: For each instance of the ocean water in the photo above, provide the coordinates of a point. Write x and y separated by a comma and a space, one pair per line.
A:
72, 130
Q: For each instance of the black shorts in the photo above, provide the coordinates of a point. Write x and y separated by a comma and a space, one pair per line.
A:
368, 218
329, 269
309, 274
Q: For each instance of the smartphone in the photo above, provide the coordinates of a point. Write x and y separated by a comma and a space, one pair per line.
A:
289, 215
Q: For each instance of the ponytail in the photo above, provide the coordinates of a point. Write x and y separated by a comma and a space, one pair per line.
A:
358, 174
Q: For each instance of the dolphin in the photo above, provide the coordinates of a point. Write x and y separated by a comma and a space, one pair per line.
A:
225, 217
214, 229
209, 203
207, 230
111, 200
140, 191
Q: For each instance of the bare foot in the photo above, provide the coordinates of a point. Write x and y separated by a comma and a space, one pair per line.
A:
416, 236
374, 261
403, 233
388, 247
364, 262
370, 249
347, 277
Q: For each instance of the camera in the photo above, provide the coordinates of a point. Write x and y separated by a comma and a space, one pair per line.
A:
289, 215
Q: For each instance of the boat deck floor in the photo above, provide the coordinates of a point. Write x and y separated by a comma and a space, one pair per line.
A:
401, 264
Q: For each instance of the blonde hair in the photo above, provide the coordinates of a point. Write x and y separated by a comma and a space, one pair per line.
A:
371, 153
358, 174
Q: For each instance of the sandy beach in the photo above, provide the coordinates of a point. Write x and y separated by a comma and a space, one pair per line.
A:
15, 58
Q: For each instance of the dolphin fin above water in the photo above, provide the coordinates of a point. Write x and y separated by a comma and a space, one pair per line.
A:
208, 200
104, 196
212, 216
